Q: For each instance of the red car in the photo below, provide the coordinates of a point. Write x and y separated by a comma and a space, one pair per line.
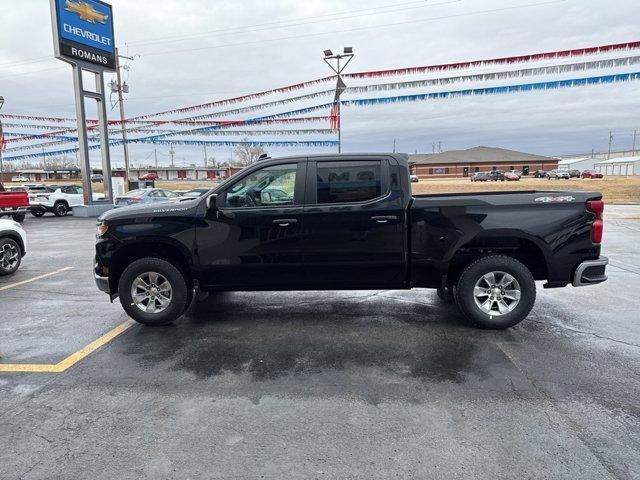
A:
511, 177
149, 176
591, 174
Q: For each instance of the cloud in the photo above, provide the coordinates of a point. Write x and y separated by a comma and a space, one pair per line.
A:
241, 53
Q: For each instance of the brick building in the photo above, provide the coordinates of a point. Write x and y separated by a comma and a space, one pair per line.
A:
463, 163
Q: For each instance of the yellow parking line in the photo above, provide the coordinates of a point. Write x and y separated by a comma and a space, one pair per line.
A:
17, 284
71, 359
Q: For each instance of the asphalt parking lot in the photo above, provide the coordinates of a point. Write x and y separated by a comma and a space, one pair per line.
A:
376, 384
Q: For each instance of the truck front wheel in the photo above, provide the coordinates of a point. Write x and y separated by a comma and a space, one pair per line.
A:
496, 292
153, 291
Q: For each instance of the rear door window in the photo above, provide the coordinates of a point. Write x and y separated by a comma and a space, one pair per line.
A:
346, 182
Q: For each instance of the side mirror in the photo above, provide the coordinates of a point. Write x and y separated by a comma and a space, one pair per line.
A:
212, 201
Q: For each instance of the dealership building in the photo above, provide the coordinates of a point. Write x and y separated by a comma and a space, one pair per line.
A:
463, 163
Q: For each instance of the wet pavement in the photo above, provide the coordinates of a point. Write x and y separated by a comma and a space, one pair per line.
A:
375, 384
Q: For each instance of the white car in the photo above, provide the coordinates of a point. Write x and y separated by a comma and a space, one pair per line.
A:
558, 174
59, 202
20, 178
13, 246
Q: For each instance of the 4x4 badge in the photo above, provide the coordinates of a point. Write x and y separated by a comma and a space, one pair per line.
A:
567, 198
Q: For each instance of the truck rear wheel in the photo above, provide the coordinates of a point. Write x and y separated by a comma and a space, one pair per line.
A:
153, 291
496, 292
19, 217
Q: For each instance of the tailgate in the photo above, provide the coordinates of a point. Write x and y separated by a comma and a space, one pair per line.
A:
14, 199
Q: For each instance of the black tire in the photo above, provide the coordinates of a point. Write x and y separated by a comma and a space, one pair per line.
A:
8, 246
179, 297
37, 212
60, 209
19, 217
466, 300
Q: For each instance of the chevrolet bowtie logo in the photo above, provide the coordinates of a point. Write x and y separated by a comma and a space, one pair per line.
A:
85, 11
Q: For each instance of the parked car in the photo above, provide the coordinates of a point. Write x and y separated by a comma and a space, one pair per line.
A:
510, 177
574, 173
591, 174
146, 195
196, 192
516, 172
496, 175
480, 177
149, 176
558, 175
414, 178
13, 246
540, 174
97, 178
236, 238
19, 178
59, 202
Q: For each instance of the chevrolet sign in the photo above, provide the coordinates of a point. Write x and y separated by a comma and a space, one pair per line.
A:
83, 31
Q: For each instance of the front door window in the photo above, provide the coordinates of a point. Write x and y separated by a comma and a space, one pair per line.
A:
272, 186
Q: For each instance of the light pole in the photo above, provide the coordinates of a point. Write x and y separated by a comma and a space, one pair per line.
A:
329, 57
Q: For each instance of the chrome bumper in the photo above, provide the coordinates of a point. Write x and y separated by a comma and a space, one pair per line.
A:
590, 272
102, 283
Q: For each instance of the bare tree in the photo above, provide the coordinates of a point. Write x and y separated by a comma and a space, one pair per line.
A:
247, 152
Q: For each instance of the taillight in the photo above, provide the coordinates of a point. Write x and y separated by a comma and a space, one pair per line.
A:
134, 199
597, 208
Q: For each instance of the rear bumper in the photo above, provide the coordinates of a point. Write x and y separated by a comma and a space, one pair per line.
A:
590, 272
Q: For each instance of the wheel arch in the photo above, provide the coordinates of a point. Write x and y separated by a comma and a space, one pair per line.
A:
516, 244
15, 237
131, 252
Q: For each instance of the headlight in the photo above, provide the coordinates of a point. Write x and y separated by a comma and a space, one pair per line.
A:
102, 229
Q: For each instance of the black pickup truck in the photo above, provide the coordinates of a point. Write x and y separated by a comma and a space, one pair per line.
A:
346, 222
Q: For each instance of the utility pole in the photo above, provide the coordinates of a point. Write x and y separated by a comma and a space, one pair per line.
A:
439, 146
155, 156
205, 156
394, 145
633, 150
44, 165
433, 147
340, 86
172, 153
610, 142
1, 143
122, 88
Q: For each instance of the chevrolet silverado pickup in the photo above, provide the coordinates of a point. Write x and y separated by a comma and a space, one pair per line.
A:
346, 222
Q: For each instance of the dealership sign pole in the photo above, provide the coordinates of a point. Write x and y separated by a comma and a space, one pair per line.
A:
83, 36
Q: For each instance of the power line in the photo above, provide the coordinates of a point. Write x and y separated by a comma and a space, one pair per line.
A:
288, 23
384, 25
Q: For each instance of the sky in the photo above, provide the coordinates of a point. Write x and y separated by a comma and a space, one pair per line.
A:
188, 52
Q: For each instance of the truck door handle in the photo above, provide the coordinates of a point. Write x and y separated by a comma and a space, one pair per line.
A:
284, 222
384, 218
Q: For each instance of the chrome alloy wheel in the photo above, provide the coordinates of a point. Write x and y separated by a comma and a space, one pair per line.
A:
9, 256
497, 293
151, 292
